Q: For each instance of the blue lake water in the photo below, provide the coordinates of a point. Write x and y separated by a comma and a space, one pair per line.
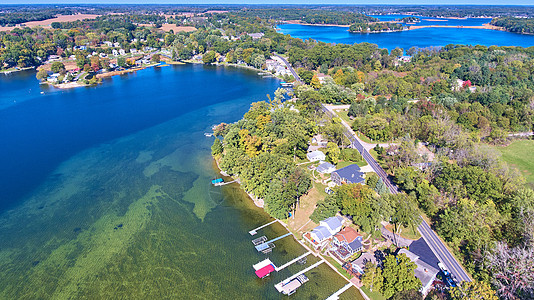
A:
105, 191
424, 37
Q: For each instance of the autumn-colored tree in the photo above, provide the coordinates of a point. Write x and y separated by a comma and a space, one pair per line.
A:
474, 290
339, 77
315, 83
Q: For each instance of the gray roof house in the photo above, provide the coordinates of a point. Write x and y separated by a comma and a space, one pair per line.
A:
325, 168
425, 272
348, 174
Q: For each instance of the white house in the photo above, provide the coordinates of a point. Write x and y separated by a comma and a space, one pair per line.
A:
114, 52
316, 156
321, 234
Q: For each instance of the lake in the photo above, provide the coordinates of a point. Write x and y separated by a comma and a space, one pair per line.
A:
105, 191
423, 37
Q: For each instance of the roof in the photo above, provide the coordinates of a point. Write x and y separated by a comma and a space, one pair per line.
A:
351, 174
315, 154
321, 232
424, 271
421, 249
356, 244
333, 222
348, 234
325, 167
265, 271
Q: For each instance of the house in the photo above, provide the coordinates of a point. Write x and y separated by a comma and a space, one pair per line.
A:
316, 156
116, 45
108, 43
122, 52
325, 168
348, 174
256, 36
133, 50
321, 77
114, 52
321, 234
347, 242
425, 272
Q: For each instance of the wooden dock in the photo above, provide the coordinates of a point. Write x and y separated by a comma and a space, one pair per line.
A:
254, 231
335, 296
277, 269
224, 183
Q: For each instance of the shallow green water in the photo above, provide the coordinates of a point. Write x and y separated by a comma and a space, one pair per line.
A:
136, 218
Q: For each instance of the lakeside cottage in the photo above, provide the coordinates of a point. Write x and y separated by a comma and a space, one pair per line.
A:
349, 174
425, 272
347, 242
321, 234
316, 156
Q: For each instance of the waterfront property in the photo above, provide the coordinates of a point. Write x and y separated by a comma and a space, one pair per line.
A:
346, 243
349, 174
321, 234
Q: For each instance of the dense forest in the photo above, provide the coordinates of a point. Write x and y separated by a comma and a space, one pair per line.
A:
518, 25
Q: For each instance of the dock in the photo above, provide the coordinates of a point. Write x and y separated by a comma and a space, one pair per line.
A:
335, 296
254, 231
265, 245
279, 285
219, 182
277, 269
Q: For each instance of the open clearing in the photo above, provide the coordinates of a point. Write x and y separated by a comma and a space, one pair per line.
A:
47, 22
520, 154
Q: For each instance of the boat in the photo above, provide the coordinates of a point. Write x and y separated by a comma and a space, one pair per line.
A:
291, 287
217, 181
264, 268
208, 134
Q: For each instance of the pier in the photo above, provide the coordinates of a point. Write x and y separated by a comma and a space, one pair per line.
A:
220, 182
279, 285
335, 296
265, 245
277, 269
254, 231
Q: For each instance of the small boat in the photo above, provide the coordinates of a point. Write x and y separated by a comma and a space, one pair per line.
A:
208, 134
217, 181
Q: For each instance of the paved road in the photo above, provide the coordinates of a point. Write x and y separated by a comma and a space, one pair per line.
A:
297, 78
430, 237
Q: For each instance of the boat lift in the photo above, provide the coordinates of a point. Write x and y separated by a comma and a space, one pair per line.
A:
265, 246
279, 286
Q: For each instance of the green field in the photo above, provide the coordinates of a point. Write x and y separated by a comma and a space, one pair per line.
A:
520, 154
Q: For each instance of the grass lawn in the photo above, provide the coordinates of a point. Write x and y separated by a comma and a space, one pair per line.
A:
338, 267
373, 295
406, 232
343, 114
520, 154
343, 163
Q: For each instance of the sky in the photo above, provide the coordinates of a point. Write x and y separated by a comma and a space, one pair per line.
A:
346, 2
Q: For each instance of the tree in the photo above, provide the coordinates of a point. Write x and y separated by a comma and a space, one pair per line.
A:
209, 57
217, 148
474, 290
42, 74
305, 75
324, 209
315, 83
371, 180
398, 273
57, 67
156, 58
407, 295
121, 62
372, 278
332, 153
512, 270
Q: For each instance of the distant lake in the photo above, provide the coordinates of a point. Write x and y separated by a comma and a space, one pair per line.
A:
105, 191
424, 37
